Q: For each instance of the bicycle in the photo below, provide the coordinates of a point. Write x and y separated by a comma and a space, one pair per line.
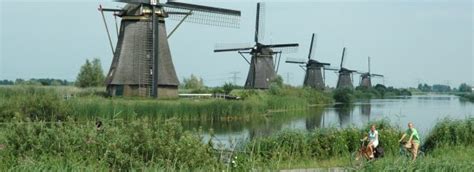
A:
361, 155
406, 152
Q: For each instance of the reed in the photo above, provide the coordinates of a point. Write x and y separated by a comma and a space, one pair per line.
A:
49, 103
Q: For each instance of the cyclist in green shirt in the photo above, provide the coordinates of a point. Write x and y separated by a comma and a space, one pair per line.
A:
413, 142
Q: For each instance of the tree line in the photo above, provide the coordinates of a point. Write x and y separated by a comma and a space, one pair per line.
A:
90, 75
37, 81
444, 88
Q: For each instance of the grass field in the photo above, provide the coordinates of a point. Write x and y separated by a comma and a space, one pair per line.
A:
147, 144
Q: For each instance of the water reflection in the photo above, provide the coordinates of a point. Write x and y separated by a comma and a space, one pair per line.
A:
365, 110
344, 112
315, 118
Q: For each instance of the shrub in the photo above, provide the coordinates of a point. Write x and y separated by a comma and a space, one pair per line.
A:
34, 104
343, 95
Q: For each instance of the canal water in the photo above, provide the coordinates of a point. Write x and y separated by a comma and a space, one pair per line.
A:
424, 111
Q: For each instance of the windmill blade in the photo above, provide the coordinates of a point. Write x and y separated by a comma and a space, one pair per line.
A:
331, 68
135, 1
368, 59
358, 72
283, 48
296, 61
233, 47
324, 64
303, 67
280, 45
342, 59
260, 22
353, 71
203, 14
312, 47
376, 75
202, 8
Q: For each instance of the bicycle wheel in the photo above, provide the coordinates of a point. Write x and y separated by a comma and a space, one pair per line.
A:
357, 160
420, 154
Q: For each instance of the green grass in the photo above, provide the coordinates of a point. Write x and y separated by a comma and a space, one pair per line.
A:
456, 158
58, 103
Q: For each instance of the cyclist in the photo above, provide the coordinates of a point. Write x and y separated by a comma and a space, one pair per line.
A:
413, 142
373, 140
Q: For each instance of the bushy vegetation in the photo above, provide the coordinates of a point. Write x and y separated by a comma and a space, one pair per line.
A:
32, 103
148, 144
468, 97
450, 133
118, 144
344, 95
347, 95
193, 83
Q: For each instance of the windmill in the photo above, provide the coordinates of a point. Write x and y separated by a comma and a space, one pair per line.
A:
142, 63
314, 77
366, 77
345, 75
262, 63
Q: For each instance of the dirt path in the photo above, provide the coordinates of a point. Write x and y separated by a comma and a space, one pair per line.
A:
333, 169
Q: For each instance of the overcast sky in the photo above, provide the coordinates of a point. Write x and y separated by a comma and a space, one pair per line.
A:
409, 41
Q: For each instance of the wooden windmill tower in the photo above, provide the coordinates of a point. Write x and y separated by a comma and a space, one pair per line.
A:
314, 69
263, 67
366, 77
142, 63
345, 75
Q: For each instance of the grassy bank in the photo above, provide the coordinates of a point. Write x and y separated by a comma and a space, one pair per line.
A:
51, 103
146, 144
467, 96
346, 95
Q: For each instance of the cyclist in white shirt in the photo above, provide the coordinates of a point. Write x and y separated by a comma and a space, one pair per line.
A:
373, 140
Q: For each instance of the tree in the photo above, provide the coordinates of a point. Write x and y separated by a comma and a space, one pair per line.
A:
465, 88
343, 95
91, 74
193, 82
228, 87
278, 80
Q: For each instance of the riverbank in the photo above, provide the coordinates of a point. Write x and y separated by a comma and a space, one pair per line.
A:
467, 96
146, 145
50, 103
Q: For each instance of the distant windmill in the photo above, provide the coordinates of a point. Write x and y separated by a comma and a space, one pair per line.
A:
366, 77
142, 63
345, 75
314, 69
262, 64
